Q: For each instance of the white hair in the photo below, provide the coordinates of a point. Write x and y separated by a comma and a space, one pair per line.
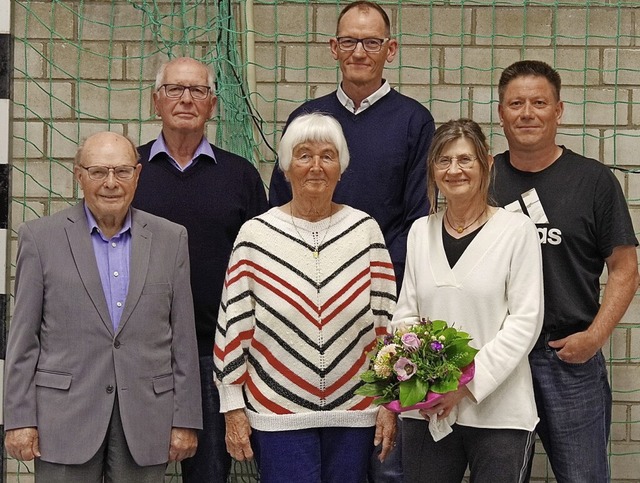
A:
312, 127
163, 68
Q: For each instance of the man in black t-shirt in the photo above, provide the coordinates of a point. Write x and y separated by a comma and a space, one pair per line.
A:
583, 223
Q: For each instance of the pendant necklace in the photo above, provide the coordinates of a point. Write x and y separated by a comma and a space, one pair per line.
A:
462, 228
316, 247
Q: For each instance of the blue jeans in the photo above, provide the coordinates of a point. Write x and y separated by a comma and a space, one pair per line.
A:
211, 463
314, 455
574, 405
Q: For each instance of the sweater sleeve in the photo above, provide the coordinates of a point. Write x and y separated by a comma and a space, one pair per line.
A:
383, 282
420, 133
258, 199
407, 311
499, 357
234, 331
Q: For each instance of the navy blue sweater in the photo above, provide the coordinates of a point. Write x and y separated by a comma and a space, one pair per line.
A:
212, 200
387, 175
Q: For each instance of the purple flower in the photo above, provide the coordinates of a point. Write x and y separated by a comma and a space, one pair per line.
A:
404, 368
436, 346
388, 339
410, 342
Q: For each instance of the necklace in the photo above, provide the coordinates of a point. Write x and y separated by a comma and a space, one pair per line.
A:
316, 244
462, 228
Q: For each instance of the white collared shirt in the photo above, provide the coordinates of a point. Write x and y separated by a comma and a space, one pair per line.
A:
367, 102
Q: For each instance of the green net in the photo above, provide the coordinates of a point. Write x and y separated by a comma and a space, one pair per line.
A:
86, 66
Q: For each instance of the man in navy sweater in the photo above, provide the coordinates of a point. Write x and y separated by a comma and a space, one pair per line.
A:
211, 192
388, 133
388, 136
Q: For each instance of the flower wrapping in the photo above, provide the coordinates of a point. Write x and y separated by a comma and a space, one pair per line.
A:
413, 367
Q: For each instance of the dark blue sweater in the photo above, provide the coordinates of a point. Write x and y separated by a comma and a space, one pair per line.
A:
212, 200
387, 175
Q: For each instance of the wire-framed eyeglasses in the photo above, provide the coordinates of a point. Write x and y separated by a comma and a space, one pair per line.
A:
371, 44
175, 91
464, 161
100, 173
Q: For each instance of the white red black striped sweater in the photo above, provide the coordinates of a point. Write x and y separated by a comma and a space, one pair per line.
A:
294, 330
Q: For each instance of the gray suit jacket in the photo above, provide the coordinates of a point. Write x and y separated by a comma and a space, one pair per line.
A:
64, 362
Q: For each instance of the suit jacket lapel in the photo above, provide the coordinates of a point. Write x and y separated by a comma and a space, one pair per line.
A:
85, 260
138, 266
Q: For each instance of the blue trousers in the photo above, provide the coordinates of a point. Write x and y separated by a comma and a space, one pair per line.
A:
574, 406
315, 455
211, 463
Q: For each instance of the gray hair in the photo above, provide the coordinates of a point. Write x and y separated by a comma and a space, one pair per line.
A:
312, 127
211, 80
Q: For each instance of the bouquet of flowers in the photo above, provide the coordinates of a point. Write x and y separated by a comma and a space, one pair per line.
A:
413, 367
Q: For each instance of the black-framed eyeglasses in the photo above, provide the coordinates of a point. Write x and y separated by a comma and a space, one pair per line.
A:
371, 44
175, 91
465, 161
100, 173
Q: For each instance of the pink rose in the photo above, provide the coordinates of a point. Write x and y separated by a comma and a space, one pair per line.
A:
411, 342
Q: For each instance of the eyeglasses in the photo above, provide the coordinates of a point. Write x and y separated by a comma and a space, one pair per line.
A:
175, 91
465, 161
306, 158
100, 173
349, 44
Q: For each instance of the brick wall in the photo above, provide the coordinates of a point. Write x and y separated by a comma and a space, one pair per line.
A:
450, 59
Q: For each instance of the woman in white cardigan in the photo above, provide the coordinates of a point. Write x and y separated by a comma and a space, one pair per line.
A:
478, 267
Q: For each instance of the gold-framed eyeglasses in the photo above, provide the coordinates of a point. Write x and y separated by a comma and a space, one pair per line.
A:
100, 173
464, 161
175, 91
370, 44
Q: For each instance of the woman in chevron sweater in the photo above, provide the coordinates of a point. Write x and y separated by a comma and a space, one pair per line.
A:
309, 287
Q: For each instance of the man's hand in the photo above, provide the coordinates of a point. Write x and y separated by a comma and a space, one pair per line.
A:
576, 348
22, 443
184, 442
385, 432
237, 436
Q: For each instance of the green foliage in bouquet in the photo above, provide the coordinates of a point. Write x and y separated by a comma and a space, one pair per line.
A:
428, 356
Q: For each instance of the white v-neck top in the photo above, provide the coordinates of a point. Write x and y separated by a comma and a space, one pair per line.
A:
495, 293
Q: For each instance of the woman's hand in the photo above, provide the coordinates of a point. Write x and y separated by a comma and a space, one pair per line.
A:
237, 435
385, 432
446, 404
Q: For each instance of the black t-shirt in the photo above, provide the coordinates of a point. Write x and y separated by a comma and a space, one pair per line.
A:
581, 216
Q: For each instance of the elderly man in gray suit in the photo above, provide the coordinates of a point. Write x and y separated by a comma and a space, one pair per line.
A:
102, 376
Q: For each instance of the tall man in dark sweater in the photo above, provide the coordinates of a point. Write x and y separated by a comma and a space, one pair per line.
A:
388, 135
211, 192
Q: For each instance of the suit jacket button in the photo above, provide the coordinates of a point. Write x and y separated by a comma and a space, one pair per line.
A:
116, 344
109, 389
